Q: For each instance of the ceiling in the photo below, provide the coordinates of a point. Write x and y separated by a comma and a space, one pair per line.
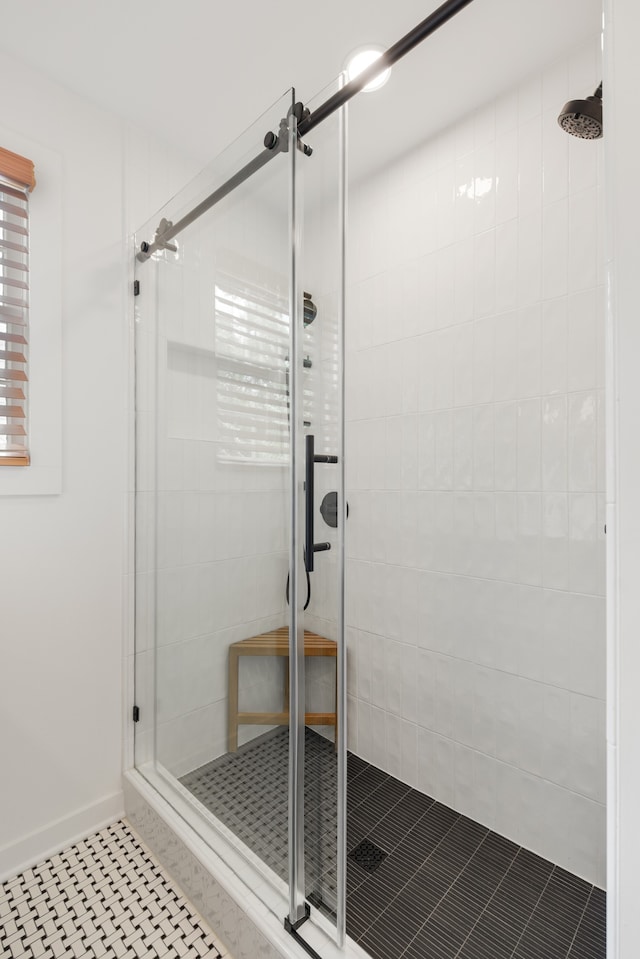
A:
197, 72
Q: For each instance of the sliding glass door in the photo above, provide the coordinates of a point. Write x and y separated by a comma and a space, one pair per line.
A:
238, 411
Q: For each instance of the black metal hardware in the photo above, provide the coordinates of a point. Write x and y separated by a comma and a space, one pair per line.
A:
136, 714
136, 287
311, 458
307, 121
300, 112
403, 46
280, 146
310, 310
368, 855
329, 509
306, 363
292, 928
316, 900
309, 443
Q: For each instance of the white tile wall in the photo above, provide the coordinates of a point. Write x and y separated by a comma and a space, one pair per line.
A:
475, 600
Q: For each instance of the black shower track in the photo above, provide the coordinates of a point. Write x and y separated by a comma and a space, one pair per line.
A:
403, 46
307, 121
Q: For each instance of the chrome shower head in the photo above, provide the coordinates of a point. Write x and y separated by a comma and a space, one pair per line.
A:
583, 118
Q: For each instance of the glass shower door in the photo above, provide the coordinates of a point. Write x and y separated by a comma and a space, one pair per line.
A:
322, 255
215, 432
229, 383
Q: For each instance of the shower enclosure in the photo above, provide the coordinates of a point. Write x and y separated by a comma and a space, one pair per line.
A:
239, 700
466, 816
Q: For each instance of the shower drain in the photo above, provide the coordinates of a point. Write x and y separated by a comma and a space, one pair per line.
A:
368, 855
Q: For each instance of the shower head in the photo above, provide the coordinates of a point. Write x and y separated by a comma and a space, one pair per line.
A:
583, 118
310, 310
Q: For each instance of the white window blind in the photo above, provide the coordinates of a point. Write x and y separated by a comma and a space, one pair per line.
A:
252, 352
14, 307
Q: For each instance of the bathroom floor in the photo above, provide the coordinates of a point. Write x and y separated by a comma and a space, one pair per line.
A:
105, 898
423, 881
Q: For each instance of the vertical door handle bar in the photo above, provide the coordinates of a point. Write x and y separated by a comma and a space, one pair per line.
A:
308, 501
311, 458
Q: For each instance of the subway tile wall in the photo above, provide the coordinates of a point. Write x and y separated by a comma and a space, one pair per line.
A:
475, 460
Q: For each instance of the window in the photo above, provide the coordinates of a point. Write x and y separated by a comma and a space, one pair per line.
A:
252, 351
16, 181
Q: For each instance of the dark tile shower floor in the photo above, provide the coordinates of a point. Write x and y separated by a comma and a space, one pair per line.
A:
441, 886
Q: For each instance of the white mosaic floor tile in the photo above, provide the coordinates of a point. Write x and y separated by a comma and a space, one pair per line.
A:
106, 897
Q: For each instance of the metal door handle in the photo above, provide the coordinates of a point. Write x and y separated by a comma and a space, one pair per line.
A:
311, 458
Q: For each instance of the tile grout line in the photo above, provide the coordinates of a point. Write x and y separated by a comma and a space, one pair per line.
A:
368, 877
111, 869
493, 894
372, 820
402, 888
357, 775
528, 922
390, 809
391, 901
165, 878
372, 793
579, 923
443, 897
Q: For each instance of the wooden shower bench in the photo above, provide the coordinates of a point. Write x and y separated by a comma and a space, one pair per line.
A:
275, 643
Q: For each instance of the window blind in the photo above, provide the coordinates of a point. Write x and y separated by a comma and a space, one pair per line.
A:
252, 352
16, 180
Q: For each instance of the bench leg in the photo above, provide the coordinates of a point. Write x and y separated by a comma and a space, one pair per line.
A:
232, 694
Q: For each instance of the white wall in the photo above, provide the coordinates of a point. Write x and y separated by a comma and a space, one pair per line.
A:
475, 382
622, 144
62, 578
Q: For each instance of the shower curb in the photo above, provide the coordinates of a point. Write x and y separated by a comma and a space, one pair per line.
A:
238, 917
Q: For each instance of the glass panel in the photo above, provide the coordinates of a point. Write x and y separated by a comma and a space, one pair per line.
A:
239, 360
463, 591
297, 641
323, 276
214, 427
